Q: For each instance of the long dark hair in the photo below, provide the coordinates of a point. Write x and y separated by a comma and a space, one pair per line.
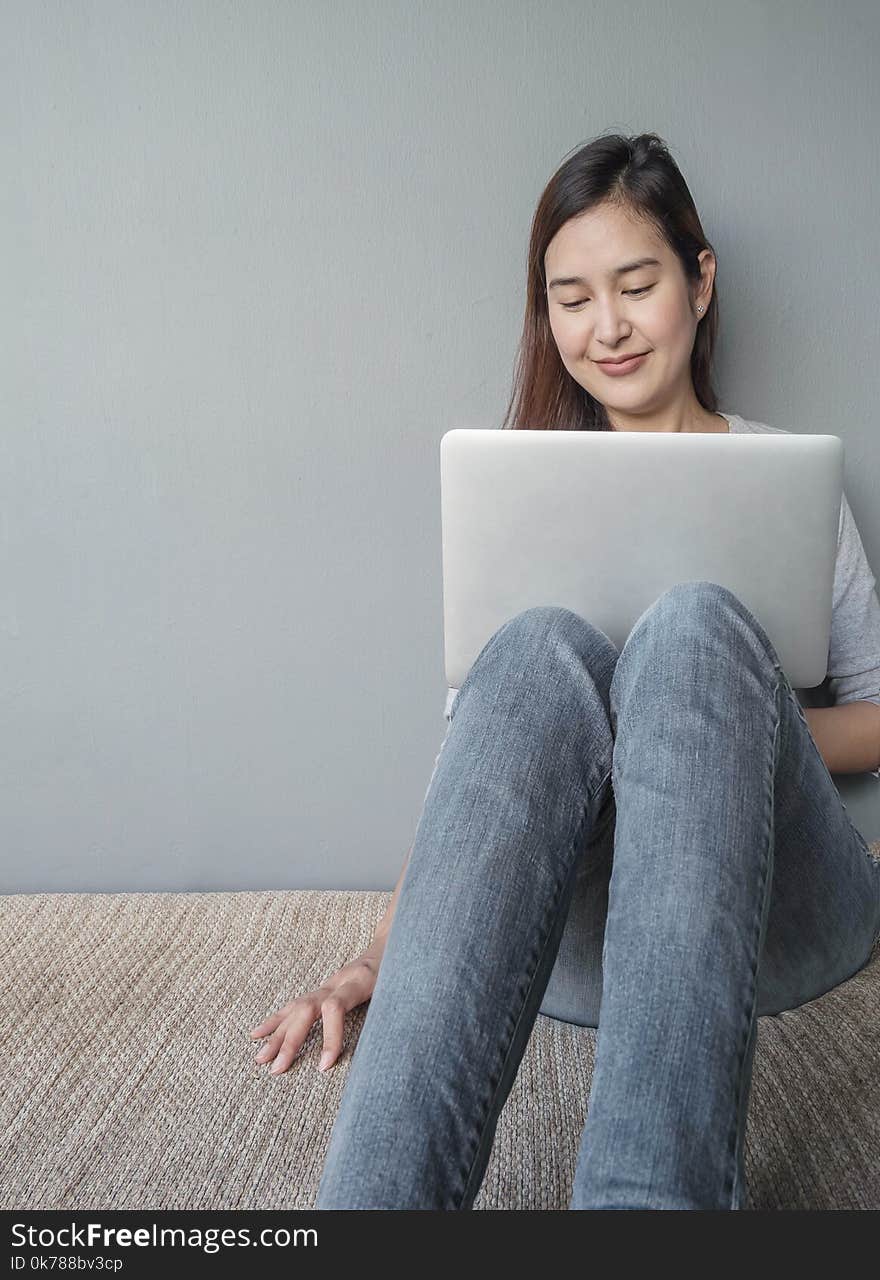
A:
639, 175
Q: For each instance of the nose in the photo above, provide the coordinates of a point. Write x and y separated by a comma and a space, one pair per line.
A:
610, 325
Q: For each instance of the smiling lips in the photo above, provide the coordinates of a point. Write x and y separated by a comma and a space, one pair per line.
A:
618, 367
621, 359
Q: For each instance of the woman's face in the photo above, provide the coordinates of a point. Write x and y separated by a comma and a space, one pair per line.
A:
646, 309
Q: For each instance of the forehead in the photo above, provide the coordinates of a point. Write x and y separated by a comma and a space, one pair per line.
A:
602, 240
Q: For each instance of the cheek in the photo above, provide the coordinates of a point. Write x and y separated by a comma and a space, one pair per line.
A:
570, 335
559, 328
561, 336
667, 324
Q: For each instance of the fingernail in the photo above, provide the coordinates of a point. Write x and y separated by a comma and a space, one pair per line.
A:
326, 1059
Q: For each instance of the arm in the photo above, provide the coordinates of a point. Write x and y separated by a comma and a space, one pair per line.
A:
847, 736
381, 935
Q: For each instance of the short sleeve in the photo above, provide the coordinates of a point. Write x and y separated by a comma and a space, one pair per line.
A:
854, 646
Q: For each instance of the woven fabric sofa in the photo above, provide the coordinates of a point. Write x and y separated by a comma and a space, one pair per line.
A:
129, 1079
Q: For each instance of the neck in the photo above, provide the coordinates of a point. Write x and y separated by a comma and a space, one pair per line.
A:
702, 422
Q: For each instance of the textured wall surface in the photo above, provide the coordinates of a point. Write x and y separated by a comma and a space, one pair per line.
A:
257, 259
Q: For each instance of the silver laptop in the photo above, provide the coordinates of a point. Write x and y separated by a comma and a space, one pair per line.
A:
602, 522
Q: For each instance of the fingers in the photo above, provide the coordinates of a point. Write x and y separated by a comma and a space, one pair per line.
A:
287, 1042
288, 1028
333, 1012
289, 1036
267, 1027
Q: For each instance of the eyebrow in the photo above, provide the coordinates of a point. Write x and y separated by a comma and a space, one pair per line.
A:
618, 271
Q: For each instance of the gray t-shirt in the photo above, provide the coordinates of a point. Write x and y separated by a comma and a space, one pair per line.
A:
853, 673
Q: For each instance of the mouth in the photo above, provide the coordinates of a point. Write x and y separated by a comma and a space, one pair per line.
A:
623, 366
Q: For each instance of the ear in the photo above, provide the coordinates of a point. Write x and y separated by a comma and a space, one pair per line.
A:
703, 293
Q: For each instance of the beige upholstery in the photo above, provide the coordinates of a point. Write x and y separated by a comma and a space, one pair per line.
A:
129, 1079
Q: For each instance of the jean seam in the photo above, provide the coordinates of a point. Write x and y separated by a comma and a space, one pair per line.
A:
547, 929
739, 1122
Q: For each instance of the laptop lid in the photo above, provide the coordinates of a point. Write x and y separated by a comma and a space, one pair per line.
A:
602, 522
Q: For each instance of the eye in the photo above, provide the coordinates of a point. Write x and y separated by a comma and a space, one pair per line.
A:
635, 293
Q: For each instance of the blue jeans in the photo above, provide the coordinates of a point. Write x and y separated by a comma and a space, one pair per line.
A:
672, 792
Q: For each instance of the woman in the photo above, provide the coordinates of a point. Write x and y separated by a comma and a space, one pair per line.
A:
672, 792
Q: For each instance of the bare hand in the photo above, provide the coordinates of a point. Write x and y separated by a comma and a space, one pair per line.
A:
289, 1026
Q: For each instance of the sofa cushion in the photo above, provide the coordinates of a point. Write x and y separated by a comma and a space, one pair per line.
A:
129, 1079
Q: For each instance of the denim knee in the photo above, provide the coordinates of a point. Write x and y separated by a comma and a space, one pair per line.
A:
710, 602
694, 610
549, 639
535, 625
692, 597
685, 598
